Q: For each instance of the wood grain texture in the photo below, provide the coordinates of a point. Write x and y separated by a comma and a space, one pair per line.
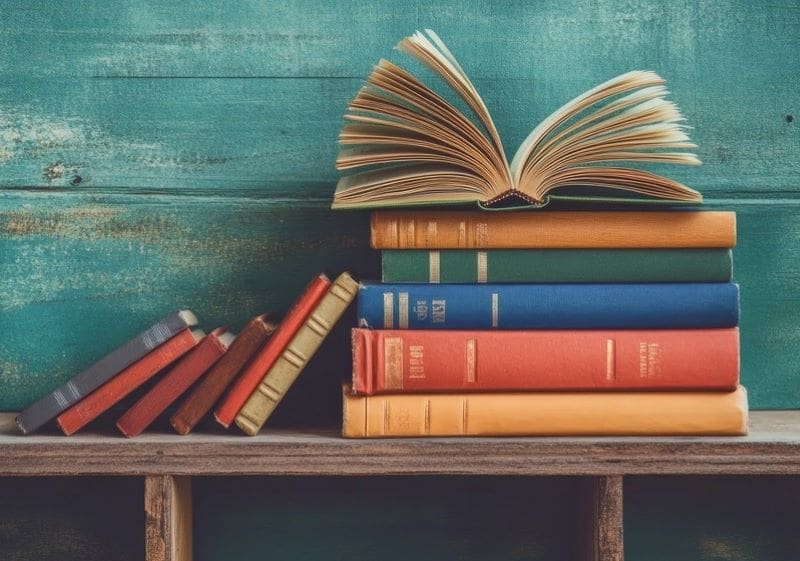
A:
251, 94
712, 518
606, 507
386, 518
773, 447
168, 518
58, 519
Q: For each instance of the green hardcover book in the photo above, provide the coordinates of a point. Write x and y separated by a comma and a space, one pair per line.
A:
557, 265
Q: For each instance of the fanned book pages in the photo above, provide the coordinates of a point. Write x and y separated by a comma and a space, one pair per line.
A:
413, 147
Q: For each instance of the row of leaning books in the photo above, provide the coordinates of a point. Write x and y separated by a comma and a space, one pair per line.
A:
548, 323
240, 378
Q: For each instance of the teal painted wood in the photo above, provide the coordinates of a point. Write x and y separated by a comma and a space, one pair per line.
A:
81, 273
249, 95
712, 518
394, 518
58, 519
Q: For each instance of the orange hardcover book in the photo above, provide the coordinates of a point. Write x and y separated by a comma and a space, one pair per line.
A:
103, 398
552, 229
260, 364
545, 414
202, 398
409, 360
186, 372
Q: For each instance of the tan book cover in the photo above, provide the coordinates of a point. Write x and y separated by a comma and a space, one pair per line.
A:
298, 352
545, 414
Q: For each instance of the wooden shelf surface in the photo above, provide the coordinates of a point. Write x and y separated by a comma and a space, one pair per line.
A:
772, 447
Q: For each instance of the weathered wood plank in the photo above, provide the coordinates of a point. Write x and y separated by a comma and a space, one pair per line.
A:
251, 95
81, 273
75, 519
712, 518
168, 518
603, 498
773, 447
392, 519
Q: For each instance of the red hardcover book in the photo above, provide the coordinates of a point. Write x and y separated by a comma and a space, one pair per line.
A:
104, 397
205, 394
247, 382
186, 372
387, 361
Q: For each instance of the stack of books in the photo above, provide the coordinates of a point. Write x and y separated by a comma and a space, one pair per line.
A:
548, 323
240, 378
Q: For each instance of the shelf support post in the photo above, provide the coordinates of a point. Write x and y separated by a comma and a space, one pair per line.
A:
602, 519
168, 512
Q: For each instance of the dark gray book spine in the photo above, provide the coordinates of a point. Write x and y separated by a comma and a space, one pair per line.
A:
102, 371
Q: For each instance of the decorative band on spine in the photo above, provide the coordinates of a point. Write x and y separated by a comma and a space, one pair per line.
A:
462, 234
388, 310
402, 310
432, 234
610, 360
434, 266
495, 308
482, 266
470, 361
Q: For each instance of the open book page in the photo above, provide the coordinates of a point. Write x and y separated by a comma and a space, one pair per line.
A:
623, 119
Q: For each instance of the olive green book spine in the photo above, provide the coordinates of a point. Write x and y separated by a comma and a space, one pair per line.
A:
277, 381
557, 265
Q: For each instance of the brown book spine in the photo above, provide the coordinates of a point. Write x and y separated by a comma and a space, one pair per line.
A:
210, 389
552, 229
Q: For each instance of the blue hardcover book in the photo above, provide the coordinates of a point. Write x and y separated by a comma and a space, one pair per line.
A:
548, 306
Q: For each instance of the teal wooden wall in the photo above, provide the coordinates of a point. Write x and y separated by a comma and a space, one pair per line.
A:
156, 155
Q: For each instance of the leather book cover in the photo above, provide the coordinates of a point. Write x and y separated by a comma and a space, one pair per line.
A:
556, 265
102, 371
392, 361
298, 352
205, 394
116, 389
247, 382
180, 378
548, 306
546, 414
418, 229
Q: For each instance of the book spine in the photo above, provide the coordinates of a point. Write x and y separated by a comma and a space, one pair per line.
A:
298, 352
552, 229
545, 414
246, 384
556, 265
548, 306
103, 370
203, 397
387, 361
185, 373
110, 393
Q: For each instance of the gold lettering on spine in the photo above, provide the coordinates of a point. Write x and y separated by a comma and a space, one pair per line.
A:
470, 362
393, 363
433, 234
462, 234
495, 308
610, 360
481, 234
482, 266
392, 236
388, 310
402, 310
434, 263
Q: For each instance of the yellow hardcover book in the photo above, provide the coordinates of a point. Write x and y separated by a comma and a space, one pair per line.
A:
546, 414
298, 352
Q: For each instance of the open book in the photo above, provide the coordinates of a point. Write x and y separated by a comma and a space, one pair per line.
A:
416, 148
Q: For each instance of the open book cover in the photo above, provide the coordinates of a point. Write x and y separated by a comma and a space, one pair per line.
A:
410, 146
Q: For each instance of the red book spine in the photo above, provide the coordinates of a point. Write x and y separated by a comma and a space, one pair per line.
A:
260, 364
387, 361
185, 373
104, 397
